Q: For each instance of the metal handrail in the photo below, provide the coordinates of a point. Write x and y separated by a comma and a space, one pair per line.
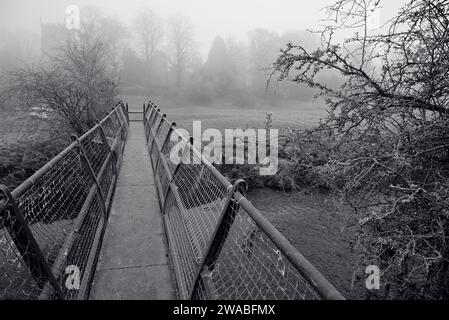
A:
325, 289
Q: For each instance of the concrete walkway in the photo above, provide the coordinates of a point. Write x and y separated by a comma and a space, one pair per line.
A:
133, 262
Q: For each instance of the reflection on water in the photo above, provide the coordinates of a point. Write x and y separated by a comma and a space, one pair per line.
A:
318, 229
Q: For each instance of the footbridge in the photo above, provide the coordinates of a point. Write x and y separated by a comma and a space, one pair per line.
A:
112, 217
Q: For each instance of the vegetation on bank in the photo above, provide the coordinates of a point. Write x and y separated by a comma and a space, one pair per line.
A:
20, 159
62, 95
384, 147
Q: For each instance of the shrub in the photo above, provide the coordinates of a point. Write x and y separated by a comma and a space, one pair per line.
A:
384, 147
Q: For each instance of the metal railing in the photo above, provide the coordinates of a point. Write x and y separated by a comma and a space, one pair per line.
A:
51, 226
221, 246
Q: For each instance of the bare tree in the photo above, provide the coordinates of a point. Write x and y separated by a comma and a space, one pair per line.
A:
264, 47
150, 32
96, 26
74, 87
181, 46
384, 146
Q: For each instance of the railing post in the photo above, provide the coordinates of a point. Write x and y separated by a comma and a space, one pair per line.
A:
123, 108
156, 132
173, 175
144, 115
127, 113
149, 121
105, 142
167, 138
26, 243
154, 117
91, 172
146, 120
124, 124
186, 147
220, 234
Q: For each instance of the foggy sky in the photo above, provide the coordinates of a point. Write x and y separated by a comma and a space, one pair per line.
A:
210, 17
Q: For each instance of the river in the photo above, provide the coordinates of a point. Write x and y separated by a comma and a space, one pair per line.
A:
318, 229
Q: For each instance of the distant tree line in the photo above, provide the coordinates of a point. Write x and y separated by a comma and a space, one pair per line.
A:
166, 61
156, 56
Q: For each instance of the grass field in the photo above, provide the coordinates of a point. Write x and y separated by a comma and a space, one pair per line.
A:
19, 125
13, 125
295, 115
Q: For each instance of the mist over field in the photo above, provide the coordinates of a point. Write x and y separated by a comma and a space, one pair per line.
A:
202, 52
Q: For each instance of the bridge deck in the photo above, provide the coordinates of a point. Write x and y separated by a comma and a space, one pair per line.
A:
133, 261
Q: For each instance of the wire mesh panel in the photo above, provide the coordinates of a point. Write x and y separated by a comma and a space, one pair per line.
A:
107, 176
251, 267
85, 245
95, 148
148, 116
155, 124
51, 205
115, 120
219, 249
164, 129
201, 198
155, 118
51, 225
184, 259
166, 152
109, 130
162, 180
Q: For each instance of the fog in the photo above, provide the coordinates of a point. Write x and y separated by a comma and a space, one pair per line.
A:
220, 51
210, 17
